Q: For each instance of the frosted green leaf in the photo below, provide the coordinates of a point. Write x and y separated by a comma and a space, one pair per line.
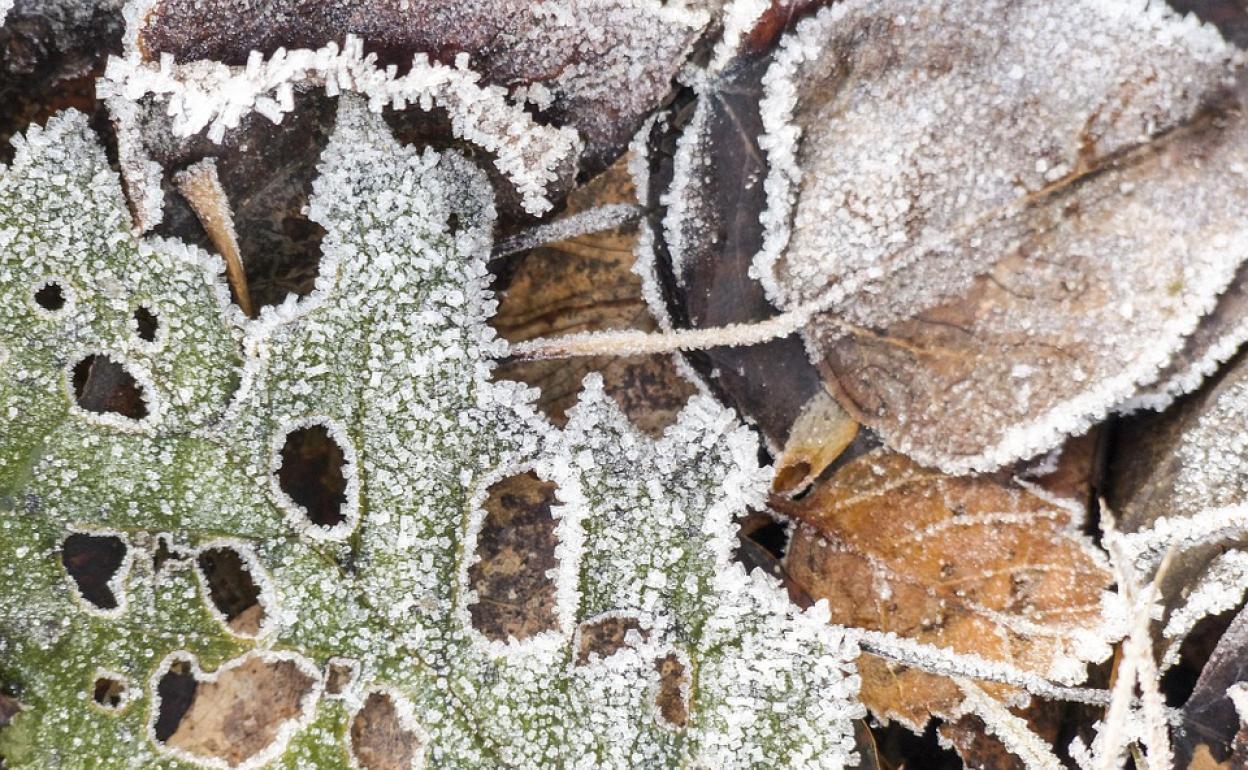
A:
390, 359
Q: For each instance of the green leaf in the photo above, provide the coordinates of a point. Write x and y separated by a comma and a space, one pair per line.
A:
390, 358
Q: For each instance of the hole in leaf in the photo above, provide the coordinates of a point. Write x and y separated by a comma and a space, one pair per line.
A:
235, 714
108, 691
671, 695
339, 675
232, 589
379, 738
146, 322
175, 691
515, 550
92, 561
311, 474
605, 637
102, 385
50, 296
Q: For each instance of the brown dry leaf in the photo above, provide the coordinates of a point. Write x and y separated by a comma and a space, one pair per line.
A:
379, 738
238, 712
705, 280
599, 66
587, 284
989, 226
516, 548
1011, 265
981, 565
1182, 466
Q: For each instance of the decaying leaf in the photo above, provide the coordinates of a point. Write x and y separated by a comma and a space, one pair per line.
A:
599, 66
382, 376
587, 283
540, 88
51, 51
1001, 267
982, 565
701, 233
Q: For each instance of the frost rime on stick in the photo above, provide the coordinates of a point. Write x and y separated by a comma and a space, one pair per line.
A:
391, 355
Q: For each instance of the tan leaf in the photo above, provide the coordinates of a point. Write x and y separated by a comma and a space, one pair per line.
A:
587, 283
981, 565
821, 432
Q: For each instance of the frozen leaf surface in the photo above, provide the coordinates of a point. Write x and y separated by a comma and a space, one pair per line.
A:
986, 565
1045, 150
364, 625
970, 210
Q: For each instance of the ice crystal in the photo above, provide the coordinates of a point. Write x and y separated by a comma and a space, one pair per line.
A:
366, 614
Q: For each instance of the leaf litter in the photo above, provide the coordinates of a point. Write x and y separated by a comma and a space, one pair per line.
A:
394, 634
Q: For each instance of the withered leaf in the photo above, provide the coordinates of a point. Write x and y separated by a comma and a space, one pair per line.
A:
587, 283
1180, 467
599, 66
705, 232
50, 55
981, 565
978, 202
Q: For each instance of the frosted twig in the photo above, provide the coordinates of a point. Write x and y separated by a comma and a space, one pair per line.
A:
1137, 666
1009, 728
201, 187
632, 342
594, 220
946, 662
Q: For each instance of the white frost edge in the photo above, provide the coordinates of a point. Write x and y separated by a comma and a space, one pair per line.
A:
780, 139
676, 198
259, 575
67, 291
739, 17
215, 96
5, 7
1012, 730
284, 734
407, 719
645, 266
1190, 378
296, 514
1146, 548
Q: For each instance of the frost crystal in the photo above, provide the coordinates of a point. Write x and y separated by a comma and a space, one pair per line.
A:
364, 617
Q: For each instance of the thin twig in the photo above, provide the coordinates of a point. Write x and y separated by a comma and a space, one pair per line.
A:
946, 662
201, 186
593, 220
